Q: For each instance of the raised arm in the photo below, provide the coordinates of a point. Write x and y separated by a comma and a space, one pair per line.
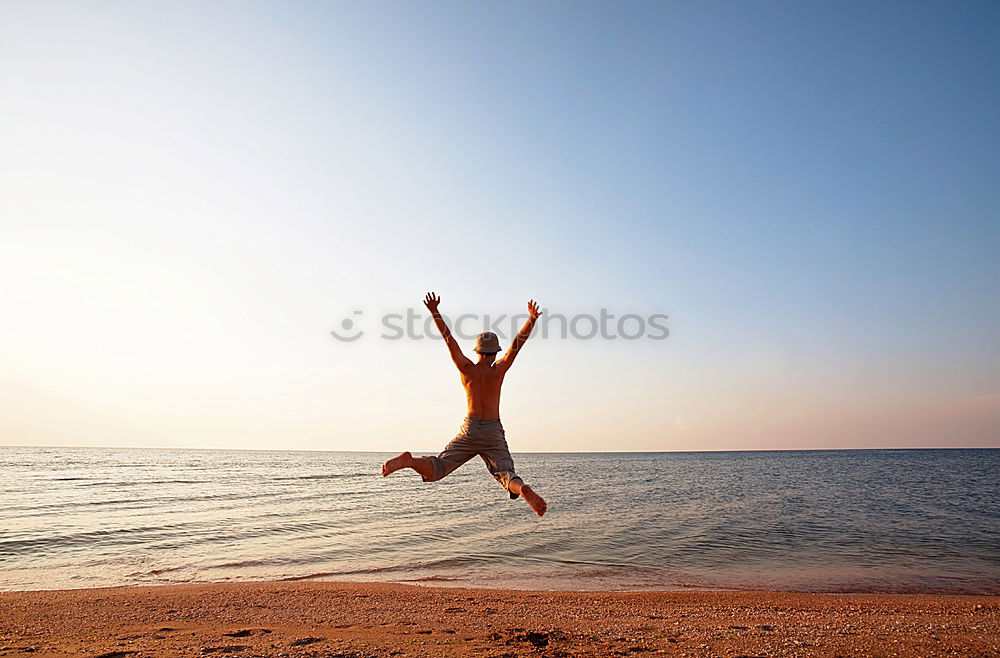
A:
462, 362
507, 359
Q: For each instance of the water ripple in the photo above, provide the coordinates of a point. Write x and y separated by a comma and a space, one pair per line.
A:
918, 520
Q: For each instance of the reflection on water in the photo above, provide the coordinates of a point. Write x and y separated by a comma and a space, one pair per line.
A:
914, 520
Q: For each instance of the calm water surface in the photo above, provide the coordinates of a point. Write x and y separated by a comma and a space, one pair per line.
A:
885, 520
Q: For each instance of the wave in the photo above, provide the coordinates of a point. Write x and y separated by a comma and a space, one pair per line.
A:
310, 576
326, 476
139, 503
139, 483
159, 571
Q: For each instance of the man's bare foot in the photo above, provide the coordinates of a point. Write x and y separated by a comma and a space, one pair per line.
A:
534, 500
396, 463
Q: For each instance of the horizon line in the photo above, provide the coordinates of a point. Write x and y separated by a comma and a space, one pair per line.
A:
520, 452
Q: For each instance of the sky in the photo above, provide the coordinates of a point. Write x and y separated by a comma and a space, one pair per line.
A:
194, 196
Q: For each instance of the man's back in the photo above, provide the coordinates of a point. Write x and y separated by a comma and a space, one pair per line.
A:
482, 382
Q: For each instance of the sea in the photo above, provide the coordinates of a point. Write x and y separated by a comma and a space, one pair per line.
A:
823, 521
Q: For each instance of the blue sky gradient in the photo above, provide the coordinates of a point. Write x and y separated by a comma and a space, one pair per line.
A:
809, 190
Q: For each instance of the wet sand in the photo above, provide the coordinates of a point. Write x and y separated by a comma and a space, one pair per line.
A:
378, 619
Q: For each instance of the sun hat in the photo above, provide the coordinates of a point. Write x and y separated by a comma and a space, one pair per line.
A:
487, 343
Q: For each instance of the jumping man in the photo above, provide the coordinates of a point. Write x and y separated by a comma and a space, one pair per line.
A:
481, 433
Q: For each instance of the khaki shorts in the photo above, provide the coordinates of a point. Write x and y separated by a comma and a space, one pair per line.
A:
478, 436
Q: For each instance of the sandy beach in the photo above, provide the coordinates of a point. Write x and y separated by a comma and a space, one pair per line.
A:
380, 619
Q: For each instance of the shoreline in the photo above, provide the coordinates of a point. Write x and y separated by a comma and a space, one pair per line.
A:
457, 584
303, 617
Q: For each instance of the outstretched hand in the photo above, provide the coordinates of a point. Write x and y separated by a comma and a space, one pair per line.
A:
431, 301
533, 309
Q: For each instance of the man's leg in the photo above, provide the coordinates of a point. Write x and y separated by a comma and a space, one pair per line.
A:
517, 486
421, 465
457, 452
496, 454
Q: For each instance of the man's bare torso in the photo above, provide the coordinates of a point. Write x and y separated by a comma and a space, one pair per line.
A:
482, 382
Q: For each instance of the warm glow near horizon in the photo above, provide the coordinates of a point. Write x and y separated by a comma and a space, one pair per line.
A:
192, 197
